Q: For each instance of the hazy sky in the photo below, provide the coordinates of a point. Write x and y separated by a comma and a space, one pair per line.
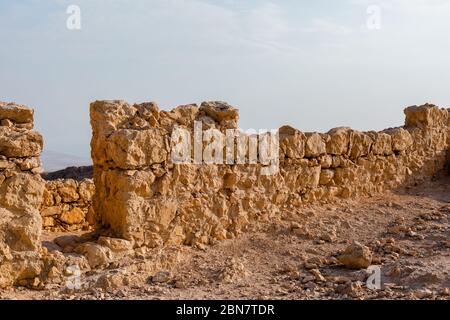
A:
312, 64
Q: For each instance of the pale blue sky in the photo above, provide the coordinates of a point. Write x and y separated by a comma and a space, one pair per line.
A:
311, 64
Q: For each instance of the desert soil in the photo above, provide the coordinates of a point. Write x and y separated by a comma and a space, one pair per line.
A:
294, 256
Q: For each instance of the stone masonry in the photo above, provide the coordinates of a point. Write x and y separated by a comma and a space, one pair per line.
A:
142, 196
21, 189
67, 206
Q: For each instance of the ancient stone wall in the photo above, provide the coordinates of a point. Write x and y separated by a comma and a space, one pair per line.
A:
141, 195
21, 189
66, 205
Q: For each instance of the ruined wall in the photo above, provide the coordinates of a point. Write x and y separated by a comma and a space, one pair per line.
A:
66, 205
21, 189
142, 196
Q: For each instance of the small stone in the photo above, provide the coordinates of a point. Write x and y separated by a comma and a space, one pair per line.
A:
308, 279
179, 284
161, 277
425, 293
35, 282
350, 288
317, 275
329, 237
356, 256
53, 273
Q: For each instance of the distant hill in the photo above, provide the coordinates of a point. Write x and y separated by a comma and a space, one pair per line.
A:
54, 161
76, 173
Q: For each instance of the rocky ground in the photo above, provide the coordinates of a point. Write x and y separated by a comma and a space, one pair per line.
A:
299, 256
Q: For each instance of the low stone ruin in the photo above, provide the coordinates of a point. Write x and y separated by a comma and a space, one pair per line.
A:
140, 198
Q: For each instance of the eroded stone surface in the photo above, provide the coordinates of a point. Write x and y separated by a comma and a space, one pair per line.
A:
143, 197
21, 190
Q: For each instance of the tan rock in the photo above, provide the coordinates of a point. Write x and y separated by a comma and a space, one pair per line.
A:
129, 149
91, 216
326, 161
5, 164
86, 190
401, 139
20, 144
48, 222
339, 141
425, 116
21, 192
69, 191
96, 254
20, 197
30, 163
326, 176
51, 211
141, 196
315, 146
67, 240
292, 142
219, 111
16, 113
360, 144
6, 123
47, 197
356, 256
382, 144
74, 216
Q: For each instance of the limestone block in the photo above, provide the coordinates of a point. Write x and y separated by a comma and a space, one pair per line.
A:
315, 146
339, 141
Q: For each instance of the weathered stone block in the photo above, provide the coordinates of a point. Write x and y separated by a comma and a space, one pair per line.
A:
20, 144
15, 113
382, 144
315, 146
360, 144
292, 142
339, 141
401, 139
425, 116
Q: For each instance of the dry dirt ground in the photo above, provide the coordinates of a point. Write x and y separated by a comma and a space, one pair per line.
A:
294, 256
